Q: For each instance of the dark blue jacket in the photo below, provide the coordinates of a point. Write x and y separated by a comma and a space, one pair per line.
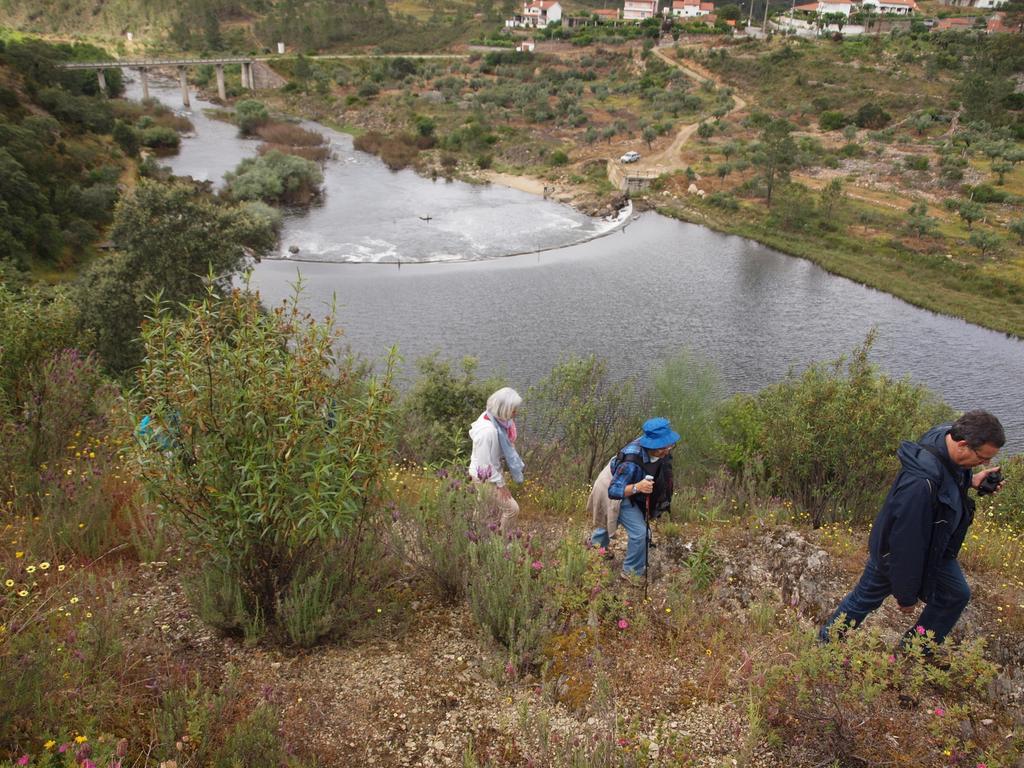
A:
914, 530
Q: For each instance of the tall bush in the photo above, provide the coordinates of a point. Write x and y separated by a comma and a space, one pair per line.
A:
436, 413
577, 418
827, 438
267, 450
685, 390
276, 178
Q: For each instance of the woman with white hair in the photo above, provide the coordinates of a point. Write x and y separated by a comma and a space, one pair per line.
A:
494, 437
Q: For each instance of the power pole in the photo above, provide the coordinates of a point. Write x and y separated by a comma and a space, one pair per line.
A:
764, 24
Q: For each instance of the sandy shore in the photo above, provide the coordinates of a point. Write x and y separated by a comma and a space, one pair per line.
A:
522, 183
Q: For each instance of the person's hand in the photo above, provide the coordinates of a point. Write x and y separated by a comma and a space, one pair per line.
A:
907, 608
978, 477
644, 486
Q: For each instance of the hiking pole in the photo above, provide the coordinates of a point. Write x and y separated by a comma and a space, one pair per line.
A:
647, 536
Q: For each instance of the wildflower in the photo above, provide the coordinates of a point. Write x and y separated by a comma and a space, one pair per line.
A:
622, 624
63, 748
49, 744
537, 565
73, 600
23, 760
23, 593
668, 610
892, 659
919, 629
61, 568
484, 473
81, 739
81, 525
32, 569
88, 614
19, 554
939, 711
9, 583
44, 566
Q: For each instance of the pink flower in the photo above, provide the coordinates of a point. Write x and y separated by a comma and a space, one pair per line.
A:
601, 550
23, 760
537, 565
63, 748
982, 765
622, 624
87, 763
892, 659
919, 629
939, 711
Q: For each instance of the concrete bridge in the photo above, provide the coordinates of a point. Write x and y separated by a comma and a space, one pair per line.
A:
182, 65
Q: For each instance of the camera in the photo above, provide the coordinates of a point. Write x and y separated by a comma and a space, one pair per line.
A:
990, 483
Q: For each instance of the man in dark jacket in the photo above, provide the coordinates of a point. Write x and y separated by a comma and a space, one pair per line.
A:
922, 524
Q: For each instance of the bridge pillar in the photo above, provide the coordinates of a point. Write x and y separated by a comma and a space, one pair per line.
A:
247, 79
144, 77
184, 87
221, 91
103, 81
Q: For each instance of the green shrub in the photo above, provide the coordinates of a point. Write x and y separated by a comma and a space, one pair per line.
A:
832, 120
826, 438
916, 163
724, 200
250, 115
840, 703
255, 742
436, 413
685, 390
872, 116
435, 534
507, 598
275, 178
160, 137
559, 157
576, 418
267, 450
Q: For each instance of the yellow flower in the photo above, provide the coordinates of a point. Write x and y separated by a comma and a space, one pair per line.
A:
49, 744
44, 565
88, 614
80, 739
19, 554
9, 583
30, 569
23, 593
61, 568
81, 525
73, 600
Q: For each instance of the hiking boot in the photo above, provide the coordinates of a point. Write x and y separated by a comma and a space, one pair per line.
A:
633, 579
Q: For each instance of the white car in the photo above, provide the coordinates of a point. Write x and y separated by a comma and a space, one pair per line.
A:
630, 157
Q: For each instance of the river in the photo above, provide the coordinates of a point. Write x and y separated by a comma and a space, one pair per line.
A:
639, 294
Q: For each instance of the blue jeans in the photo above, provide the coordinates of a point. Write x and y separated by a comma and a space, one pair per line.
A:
949, 598
631, 517
599, 538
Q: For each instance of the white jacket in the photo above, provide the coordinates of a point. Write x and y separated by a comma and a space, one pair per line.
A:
486, 451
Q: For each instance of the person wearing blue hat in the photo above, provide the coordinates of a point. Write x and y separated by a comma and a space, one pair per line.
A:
638, 481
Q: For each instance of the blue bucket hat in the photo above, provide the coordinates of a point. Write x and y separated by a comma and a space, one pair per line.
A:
658, 434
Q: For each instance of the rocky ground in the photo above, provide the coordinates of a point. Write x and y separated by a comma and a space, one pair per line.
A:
431, 689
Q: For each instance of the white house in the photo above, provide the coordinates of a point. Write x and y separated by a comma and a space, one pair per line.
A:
974, 3
898, 7
537, 14
689, 9
845, 7
638, 10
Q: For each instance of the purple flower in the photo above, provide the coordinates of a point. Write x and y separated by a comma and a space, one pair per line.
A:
537, 565
492, 527
484, 473
472, 536
394, 515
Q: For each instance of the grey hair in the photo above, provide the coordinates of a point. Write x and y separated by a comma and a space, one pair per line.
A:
504, 402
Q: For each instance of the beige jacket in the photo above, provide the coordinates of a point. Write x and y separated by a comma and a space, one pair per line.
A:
604, 512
